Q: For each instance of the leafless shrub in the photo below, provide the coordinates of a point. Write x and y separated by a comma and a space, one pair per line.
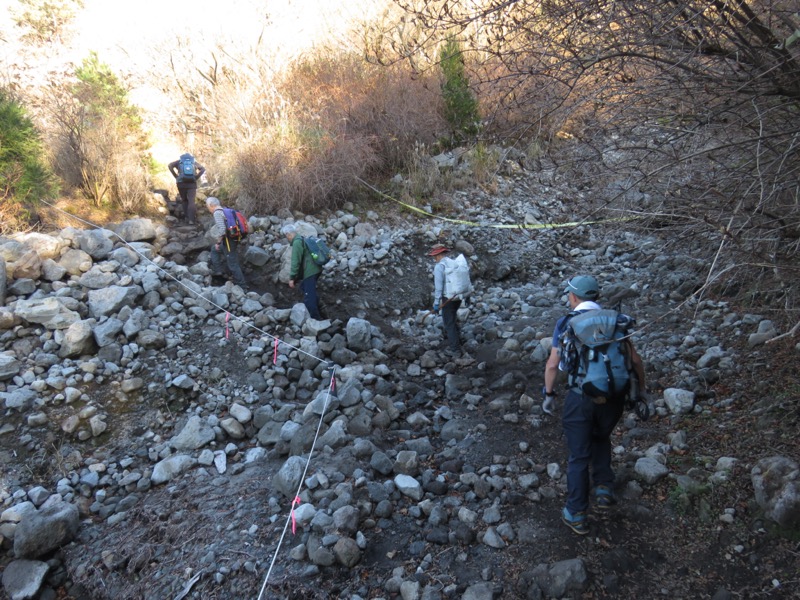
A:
301, 137
680, 112
391, 107
286, 173
130, 185
423, 177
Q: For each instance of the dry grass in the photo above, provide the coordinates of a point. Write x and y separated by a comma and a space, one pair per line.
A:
81, 214
335, 119
13, 217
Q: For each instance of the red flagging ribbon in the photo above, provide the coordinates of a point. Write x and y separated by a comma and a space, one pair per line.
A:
294, 521
275, 353
227, 318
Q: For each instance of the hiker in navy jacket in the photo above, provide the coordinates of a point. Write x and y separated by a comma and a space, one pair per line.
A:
587, 422
187, 186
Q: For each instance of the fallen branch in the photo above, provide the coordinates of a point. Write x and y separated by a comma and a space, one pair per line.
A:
789, 333
188, 587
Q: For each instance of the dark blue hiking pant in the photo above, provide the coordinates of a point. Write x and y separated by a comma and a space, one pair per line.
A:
587, 428
450, 323
310, 299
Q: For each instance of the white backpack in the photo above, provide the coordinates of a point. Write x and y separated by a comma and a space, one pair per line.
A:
456, 277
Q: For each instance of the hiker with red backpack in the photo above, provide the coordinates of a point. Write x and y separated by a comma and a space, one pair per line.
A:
186, 171
605, 373
227, 237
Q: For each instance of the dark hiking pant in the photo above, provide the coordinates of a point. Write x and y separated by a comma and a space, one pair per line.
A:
188, 192
450, 324
310, 298
228, 248
587, 428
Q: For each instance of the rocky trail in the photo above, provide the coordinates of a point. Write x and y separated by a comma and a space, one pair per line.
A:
148, 454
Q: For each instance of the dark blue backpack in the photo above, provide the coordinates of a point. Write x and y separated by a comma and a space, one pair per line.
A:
186, 170
594, 352
236, 227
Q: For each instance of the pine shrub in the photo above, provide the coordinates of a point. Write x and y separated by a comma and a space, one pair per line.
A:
24, 174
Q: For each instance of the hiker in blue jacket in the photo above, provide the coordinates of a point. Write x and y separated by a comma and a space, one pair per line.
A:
304, 270
223, 245
587, 422
186, 172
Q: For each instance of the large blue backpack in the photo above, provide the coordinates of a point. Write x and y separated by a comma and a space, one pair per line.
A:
186, 170
595, 353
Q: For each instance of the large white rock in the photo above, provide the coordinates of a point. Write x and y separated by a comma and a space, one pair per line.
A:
678, 401
49, 312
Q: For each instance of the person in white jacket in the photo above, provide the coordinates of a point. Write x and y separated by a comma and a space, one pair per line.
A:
448, 305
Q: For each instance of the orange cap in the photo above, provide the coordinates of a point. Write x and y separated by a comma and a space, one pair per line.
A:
438, 249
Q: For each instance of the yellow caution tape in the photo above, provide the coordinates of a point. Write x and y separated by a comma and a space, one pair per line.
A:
493, 225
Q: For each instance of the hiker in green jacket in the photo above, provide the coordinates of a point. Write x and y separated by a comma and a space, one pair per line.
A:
304, 270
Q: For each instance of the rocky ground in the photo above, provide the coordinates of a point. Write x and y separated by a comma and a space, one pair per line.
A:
153, 437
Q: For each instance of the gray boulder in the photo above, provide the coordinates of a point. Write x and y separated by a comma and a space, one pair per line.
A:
650, 470
776, 482
21, 399
195, 434
287, 480
28, 266
78, 339
49, 312
106, 332
679, 402
46, 246
136, 230
359, 334
52, 271
9, 366
96, 243
22, 579
75, 262
562, 578
44, 530
111, 299
256, 256
347, 552
171, 467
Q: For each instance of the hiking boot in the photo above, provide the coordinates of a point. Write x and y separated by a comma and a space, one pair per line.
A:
577, 522
604, 497
217, 280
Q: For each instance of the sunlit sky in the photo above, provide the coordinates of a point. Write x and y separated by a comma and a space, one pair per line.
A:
292, 22
135, 38
117, 29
